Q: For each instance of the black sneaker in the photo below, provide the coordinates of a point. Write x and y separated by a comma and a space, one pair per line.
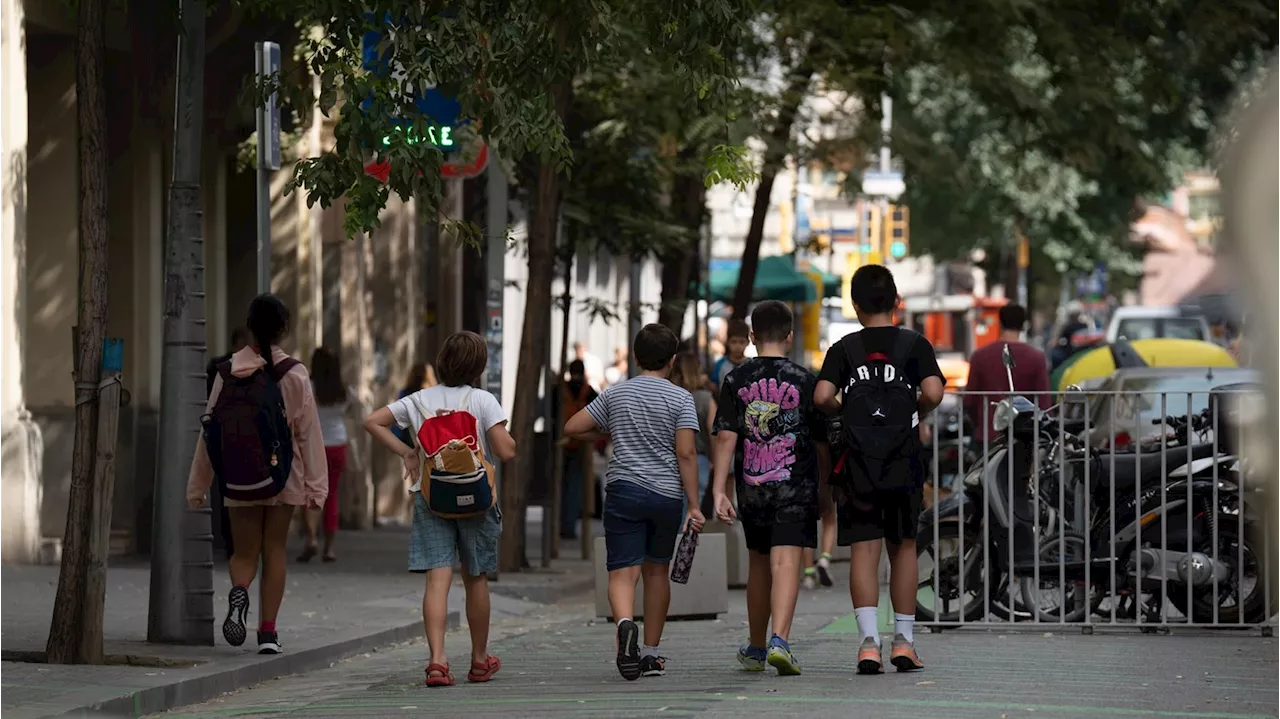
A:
237, 609
653, 666
269, 643
628, 650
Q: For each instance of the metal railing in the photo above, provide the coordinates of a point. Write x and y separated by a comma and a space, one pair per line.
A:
1111, 508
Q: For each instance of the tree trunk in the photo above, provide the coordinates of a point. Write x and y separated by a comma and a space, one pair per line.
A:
689, 195
535, 340
181, 598
75, 632
777, 144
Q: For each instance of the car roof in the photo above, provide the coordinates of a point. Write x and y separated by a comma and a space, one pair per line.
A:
1127, 373
1146, 311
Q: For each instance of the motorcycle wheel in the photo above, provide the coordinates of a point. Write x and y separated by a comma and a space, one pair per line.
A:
944, 585
1072, 601
1229, 595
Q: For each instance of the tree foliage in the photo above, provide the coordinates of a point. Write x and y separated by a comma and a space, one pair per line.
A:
1056, 117
497, 59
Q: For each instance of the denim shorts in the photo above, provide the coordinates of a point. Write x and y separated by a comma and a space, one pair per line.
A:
640, 525
436, 542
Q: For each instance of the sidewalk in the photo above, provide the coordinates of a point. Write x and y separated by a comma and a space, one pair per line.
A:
558, 662
364, 601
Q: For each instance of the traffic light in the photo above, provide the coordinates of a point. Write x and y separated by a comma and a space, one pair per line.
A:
897, 238
871, 243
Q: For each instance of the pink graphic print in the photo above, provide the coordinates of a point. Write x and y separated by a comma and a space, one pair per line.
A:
767, 454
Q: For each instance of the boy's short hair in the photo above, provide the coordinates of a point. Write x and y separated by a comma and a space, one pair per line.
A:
771, 321
1013, 317
462, 359
577, 368
873, 290
738, 328
654, 346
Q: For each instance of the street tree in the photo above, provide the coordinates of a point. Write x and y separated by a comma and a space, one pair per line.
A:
1063, 120
512, 67
75, 632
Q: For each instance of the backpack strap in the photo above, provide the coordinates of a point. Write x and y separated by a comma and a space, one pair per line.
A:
901, 350
282, 368
855, 351
224, 370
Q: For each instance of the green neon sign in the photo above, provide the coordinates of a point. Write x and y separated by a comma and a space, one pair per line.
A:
438, 135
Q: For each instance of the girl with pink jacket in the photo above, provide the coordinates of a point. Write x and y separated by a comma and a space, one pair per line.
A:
261, 527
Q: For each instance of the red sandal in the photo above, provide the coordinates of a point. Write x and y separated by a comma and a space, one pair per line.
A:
484, 671
445, 678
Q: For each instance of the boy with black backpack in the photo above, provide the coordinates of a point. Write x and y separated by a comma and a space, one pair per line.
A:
889, 379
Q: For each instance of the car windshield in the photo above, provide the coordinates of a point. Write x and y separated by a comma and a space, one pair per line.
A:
1145, 328
1140, 402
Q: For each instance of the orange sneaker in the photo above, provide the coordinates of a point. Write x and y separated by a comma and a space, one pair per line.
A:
903, 655
869, 660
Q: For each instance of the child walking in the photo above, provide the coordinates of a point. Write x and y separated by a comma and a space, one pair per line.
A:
261, 489
652, 480
437, 543
767, 418
889, 379
332, 402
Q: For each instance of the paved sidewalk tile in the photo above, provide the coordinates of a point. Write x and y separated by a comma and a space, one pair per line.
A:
364, 601
559, 663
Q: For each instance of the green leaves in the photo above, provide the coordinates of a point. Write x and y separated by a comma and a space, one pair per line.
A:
498, 58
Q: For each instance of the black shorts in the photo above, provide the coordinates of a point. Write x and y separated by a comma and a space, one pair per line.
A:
763, 537
891, 515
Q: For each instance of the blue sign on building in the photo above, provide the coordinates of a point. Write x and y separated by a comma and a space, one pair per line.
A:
444, 111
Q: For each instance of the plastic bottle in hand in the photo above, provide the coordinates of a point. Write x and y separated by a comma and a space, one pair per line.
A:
682, 564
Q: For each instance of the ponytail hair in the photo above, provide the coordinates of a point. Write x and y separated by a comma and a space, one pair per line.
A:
268, 322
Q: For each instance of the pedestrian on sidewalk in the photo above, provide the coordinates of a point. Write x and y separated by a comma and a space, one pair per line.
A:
333, 400
437, 543
262, 440
575, 394
735, 350
687, 373
768, 420
890, 379
651, 485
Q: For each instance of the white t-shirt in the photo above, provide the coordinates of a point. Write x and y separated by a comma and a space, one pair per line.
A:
484, 406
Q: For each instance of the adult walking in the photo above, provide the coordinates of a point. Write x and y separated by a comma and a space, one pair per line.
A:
987, 375
332, 403
262, 440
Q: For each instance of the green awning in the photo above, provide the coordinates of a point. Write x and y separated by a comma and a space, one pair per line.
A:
776, 279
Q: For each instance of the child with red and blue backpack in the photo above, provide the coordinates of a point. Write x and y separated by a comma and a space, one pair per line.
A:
457, 428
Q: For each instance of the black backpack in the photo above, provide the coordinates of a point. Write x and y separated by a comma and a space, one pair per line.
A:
878, 413
247, 433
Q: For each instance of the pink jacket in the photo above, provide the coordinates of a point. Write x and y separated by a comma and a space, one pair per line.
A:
309, 475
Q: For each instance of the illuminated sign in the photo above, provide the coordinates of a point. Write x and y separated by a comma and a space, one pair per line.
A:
438, 135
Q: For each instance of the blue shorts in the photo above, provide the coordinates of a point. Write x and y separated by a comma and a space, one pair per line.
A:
436, 542
640, 525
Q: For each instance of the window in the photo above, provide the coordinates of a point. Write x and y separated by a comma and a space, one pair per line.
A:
1145, 328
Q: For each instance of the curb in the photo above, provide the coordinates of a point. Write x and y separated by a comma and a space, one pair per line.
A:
219, 681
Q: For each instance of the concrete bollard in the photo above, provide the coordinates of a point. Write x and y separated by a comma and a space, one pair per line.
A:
706, 596
736, 554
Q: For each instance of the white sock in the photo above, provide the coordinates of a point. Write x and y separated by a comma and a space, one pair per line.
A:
824, 562
904, 624
624, 619
648, 651
867, 621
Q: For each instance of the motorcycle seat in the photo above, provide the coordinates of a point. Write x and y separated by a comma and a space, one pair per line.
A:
1129, 464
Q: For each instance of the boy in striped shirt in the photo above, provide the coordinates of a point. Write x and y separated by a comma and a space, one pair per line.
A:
651, 489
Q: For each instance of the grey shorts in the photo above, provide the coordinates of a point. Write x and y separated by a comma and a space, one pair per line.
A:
436, 542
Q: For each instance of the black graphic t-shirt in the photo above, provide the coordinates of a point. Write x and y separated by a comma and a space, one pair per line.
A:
768, 403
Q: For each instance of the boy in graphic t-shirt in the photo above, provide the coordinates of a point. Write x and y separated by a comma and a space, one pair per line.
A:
881, 491
766, 416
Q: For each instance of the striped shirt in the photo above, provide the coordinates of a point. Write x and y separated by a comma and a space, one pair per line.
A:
641, 416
